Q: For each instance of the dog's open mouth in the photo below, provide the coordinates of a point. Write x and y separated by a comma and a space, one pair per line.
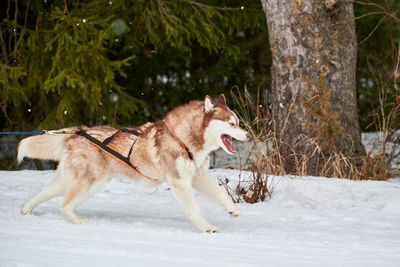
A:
227, 140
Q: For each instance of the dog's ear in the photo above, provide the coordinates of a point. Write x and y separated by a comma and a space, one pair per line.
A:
221, 100
208, 104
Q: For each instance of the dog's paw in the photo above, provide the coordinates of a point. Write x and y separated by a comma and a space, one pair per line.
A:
23, 212
26, 211
234, 212
77, 221
72, 218
212, 229
80, 221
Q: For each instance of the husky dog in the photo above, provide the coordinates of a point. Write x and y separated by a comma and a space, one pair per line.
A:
174, 150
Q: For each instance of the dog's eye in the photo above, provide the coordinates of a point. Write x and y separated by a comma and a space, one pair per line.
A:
232, 124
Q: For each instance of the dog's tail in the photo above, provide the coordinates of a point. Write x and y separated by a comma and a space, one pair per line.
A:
50, 147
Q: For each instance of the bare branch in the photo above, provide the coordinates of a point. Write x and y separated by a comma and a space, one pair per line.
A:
26, 12
15, 21
372, 32
385, 11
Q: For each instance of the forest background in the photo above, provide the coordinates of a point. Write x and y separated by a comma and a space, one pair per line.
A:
127, 62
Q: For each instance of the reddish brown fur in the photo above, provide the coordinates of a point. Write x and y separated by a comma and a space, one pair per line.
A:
189, 120
156, 153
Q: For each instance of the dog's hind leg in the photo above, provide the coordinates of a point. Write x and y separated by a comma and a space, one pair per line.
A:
81, 185
56, 188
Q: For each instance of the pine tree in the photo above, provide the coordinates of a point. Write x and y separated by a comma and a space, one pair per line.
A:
95, 62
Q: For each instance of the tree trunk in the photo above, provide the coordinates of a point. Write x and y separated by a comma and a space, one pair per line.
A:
314, 51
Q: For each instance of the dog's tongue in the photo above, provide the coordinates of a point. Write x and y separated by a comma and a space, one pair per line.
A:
227, 140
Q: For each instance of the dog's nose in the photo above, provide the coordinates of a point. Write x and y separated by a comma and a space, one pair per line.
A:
248, 136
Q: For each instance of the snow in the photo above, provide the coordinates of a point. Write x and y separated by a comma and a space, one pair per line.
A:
374, 144
310, 221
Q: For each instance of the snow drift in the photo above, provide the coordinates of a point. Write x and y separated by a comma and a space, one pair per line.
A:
308, 222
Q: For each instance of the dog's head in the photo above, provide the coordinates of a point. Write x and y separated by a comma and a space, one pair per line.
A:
223, 124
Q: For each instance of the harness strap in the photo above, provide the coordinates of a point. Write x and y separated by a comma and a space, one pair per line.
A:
110, 138
130, 150
134, 132
112, 152
115, 154
188, 153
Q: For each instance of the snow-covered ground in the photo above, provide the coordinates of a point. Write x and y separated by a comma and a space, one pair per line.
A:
374, 144
309, 222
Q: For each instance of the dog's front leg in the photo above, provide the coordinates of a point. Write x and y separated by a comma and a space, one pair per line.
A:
202, 182
182, 190
181, 185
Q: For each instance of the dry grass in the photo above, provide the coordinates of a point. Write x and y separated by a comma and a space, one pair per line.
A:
273, 156
273, 153
257, 188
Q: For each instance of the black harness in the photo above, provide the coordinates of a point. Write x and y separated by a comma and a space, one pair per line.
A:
103, 145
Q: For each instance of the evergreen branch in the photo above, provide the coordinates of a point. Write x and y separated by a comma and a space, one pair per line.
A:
202, 5
7, 67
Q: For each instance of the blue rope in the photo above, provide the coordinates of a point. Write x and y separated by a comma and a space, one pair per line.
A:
39, 132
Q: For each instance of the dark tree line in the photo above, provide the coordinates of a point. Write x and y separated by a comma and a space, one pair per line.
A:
324, 67
122, 62
125, 62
